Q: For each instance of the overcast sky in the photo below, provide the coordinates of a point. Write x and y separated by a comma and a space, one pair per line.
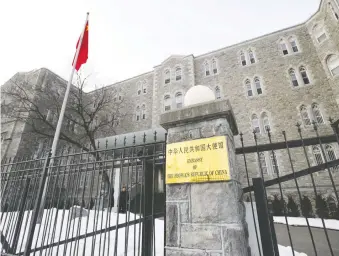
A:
130, 37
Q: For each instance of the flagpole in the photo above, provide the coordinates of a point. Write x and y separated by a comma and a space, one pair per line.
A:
64, 104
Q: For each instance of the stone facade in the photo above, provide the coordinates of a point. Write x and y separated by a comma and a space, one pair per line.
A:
277, 98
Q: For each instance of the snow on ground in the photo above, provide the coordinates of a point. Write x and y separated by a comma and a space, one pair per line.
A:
65, 228
287, 251
313, 222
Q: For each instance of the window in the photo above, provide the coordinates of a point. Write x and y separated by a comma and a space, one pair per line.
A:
293, 77
334, 11
283, 47
207, 68
177, 74
217, 92
137, 114
178, 100
139, 87
249, 88
332, 62
330, 155
214, 66
167, 103
255, 124
243, 59
294, 45
263, 163
251, 55
304, 115
304, 75
167, 76
258, 85
274, 162
316, 114
319, 33
317, 155
265, 122
144, 87
143, 112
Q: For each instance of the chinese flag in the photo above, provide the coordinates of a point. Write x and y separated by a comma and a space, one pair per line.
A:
83, 53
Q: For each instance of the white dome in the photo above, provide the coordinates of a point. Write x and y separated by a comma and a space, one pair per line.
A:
198, 94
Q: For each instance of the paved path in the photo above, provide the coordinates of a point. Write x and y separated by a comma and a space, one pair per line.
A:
302, 240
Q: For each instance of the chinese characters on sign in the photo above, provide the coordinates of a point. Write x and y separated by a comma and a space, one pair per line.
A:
201, 160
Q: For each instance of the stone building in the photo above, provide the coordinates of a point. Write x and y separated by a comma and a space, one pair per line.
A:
276, 80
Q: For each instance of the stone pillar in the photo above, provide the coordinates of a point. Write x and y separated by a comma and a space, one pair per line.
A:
205, 218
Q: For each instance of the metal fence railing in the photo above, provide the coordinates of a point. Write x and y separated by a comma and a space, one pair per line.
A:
102, 202
294, 183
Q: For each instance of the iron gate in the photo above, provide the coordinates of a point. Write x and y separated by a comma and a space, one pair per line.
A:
108, 201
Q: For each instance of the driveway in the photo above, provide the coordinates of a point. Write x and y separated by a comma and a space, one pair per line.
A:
302, 242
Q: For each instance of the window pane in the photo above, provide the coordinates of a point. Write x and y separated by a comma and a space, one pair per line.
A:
304, 116
243, 59
317, 115
317, 155
255, 124
294, 46
294, 78
322, 38
252, 59
335, 71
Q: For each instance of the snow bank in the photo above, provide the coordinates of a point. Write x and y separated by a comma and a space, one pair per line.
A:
313, 222
128, 239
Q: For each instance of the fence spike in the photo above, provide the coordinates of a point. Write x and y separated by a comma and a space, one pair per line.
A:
125, 141
98, 146
134, 139
106, 143
144, 137
115, 142
155, 136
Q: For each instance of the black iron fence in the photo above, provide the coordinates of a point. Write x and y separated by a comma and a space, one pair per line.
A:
292, 186
102, 202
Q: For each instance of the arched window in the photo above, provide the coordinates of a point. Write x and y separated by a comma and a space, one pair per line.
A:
319, 33
334, 10
167, 76
178, 100
137, 113
274, 162
139, 87
248, 88
167, 103
293, 44
265, 122
143, 111
255, 123
317, 155
332, 62
243, 58
330, 155
293, 77
317, 114
304, 75
144, 87
263, 164
251, 55
177, 74
304, 115
258, 85
207, 68
283, 47
214, 66
217, 92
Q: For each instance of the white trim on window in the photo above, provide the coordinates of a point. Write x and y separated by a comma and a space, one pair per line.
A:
255, 123
178, 73
214, 66
258, 85
137, 114
248, 87
217, 92
319, 33
293, 44
143, 111
251, 56
139, 87
144, 87
317, 116
305, 117
243, 60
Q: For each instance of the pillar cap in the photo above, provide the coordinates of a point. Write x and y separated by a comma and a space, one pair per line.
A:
200, 112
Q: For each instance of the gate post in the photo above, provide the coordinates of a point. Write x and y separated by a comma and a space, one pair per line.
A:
267, 231
206, 216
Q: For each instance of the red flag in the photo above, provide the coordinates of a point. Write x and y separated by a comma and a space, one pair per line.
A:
83, 53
